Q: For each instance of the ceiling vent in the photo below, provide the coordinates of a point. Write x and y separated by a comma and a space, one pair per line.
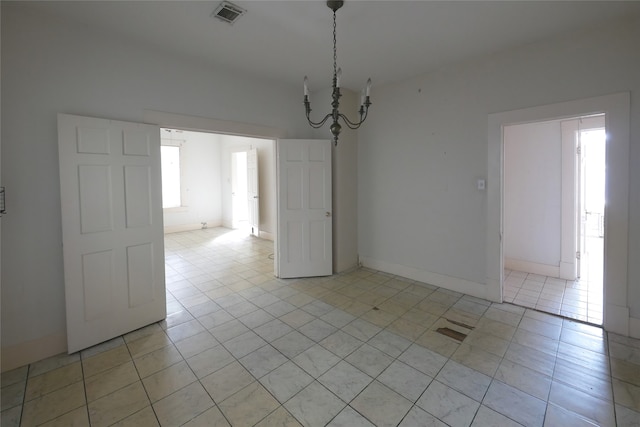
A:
228, 12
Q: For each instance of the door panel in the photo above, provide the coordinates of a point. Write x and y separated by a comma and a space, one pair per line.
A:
304, 241
112, 232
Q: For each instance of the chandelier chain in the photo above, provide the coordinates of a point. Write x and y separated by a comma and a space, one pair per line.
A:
335, 50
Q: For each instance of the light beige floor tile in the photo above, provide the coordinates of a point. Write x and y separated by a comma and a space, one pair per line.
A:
157, 360
627, 394
145, 417
249, 405
381, 405
52, 380
557, 416
420, 317
464, 380
11, 417
147, 344
415, 417
625, 371
498, 328
361, 329
476, 358
76, 418
524, 379
355, 308
515, 404
297, 318
489, 343
196, 344
52, 405
109, 381
169, 380
531, 358
626, 417
379, 317
52, 363
314, 406
142, 332
212, 417
448, 405
183, 405
105, 360
185, 330
227, 381
14, 376
439, 343
12, 395
117, 406
280, 418
210, 361
597, 410
486, 417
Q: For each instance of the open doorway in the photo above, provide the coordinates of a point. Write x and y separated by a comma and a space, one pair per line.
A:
209, 195
245, 190
554, 216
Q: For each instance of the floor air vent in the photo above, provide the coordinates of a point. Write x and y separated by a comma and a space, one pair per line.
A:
228, 12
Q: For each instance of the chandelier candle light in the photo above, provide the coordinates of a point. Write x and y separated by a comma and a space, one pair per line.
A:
335, 113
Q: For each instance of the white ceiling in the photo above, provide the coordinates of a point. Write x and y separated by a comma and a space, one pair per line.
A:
384, 40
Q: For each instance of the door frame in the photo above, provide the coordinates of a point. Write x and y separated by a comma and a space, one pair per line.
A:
615, 281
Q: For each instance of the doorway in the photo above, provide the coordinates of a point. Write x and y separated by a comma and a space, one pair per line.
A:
553, 206
617, 295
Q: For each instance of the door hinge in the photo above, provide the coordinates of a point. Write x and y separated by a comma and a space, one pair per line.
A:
578, 255
578, 150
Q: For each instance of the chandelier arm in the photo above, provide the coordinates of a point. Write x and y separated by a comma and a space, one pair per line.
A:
349, 123
319, 124
354, 125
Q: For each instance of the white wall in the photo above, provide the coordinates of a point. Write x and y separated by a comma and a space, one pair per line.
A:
50, 68
426, 144
266, 180
201, 181
533, 196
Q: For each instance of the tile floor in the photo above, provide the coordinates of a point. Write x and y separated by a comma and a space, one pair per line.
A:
580, 299
361, 348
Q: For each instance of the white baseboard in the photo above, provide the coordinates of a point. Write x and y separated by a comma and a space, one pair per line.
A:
634, 327
189, 227
32, 351
266, 235
475, 289
532, 267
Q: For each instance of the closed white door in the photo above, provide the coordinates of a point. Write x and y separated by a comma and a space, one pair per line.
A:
112, 232
253, 197
304, 236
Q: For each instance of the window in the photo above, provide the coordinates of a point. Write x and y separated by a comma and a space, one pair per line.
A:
171, 187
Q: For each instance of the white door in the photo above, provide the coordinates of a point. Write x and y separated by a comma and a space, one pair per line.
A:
304, 236
581, 212
112, 231
253, 199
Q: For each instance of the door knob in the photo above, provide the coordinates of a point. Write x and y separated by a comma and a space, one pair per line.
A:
327, 214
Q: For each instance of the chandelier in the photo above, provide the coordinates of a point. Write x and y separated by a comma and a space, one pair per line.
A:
335, 113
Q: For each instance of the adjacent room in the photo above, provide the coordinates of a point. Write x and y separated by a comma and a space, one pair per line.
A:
316, 213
